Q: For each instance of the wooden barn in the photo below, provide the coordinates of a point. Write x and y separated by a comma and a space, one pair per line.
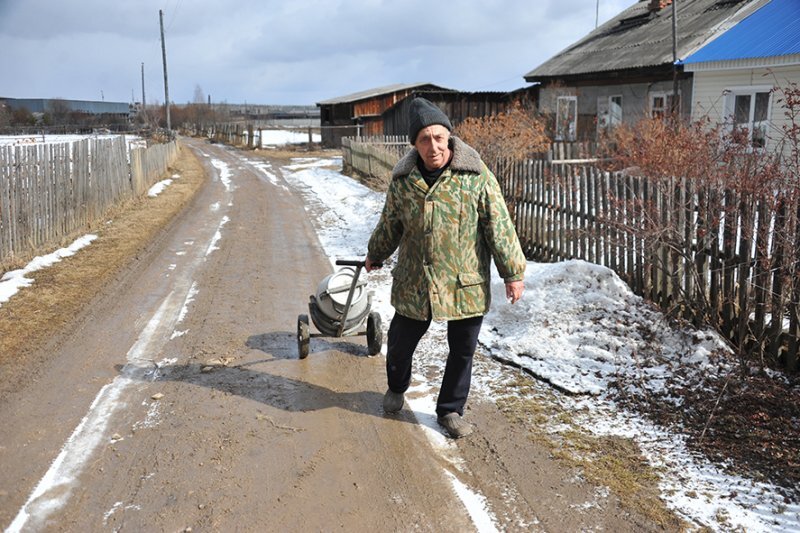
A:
361, 113
456, 105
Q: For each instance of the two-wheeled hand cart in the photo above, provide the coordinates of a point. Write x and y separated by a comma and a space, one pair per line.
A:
340, 307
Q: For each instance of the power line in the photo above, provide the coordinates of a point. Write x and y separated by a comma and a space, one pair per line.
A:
174, 13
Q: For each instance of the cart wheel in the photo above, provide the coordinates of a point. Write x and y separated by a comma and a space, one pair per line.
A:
303, 336
374, 333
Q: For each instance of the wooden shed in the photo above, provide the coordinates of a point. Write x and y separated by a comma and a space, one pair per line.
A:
361, 113
456, 105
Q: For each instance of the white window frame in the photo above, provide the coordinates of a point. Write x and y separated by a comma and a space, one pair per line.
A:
730, 110
609, 114
571, 128
666, 109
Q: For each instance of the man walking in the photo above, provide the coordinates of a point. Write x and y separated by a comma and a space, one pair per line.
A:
446, 215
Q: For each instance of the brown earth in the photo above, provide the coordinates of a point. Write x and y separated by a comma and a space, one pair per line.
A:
165, 393
741, 419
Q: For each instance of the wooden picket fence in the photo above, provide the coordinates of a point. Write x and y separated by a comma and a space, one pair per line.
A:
712, 256
715, 257
50, 191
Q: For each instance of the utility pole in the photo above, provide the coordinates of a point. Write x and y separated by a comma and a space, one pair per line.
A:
597, 14
164, 58
675, 101
144, 100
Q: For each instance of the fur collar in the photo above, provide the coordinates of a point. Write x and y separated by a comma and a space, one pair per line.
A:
465, 159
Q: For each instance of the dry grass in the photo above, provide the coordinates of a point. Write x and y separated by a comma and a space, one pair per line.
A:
61, 292
608, 461
618, 464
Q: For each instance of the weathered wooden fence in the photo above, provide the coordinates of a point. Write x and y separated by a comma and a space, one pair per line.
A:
712, 256
48, 191
374, 156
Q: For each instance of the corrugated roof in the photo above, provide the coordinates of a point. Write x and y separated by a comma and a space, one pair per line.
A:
370, 93
638, 37
773, 30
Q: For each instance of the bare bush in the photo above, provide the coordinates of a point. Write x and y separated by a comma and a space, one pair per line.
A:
717, 221
508, 136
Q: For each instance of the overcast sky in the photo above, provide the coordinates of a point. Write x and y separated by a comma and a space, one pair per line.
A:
279, 52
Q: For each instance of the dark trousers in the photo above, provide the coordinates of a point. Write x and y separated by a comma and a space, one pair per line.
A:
462, 338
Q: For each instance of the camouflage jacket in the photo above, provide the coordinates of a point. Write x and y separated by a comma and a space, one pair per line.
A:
446, 235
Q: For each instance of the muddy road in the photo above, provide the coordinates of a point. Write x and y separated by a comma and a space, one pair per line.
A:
178, 403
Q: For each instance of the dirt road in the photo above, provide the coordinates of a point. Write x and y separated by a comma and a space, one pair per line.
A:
178, 403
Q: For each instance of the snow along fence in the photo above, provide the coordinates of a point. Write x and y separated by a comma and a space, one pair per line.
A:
722, 258
49, 191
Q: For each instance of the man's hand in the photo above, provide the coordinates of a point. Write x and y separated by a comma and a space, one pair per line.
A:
514, 290
369, 265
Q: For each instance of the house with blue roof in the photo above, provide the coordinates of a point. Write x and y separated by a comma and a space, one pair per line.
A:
625, 70
738, 77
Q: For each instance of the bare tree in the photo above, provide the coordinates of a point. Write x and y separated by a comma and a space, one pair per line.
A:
58, 112
199, 97
5, 116
22, 117
512, 135
703, 204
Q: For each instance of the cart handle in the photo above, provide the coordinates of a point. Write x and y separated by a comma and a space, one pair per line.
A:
359, 265
355, 263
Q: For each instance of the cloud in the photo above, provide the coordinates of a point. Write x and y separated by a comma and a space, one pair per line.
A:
301, 51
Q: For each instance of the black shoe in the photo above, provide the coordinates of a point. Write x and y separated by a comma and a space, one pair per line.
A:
393, 402
455, 426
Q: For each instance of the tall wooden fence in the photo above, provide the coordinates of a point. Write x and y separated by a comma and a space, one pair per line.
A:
49, 191
712, 256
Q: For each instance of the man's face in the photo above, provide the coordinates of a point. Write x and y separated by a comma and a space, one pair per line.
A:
432, 145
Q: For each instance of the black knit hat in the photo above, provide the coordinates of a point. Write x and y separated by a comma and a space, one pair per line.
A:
423, 113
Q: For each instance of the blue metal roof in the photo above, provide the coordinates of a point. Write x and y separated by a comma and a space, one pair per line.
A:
773, 30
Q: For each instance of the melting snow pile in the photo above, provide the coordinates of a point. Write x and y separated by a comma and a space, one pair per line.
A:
579, 326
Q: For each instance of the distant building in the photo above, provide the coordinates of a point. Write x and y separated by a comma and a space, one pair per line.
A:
457, 105
40, 106
271, 115
361, 113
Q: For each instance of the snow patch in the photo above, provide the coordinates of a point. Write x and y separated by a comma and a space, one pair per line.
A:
224, 173
14, 280
159, 187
